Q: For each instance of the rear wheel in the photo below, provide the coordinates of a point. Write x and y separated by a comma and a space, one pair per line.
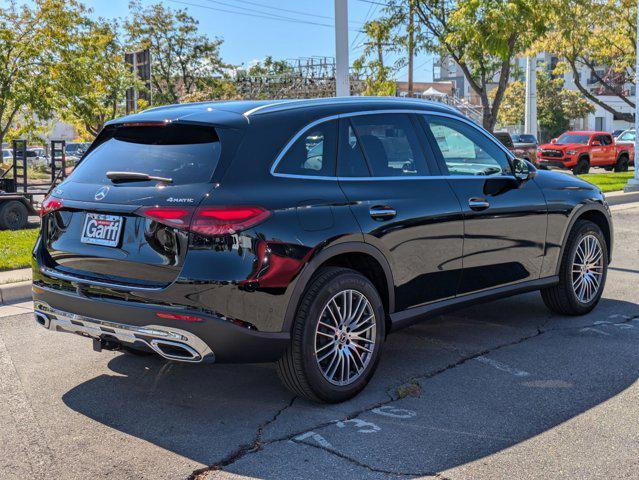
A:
13, 215
582, 167
582, 274
336, 339
622, 164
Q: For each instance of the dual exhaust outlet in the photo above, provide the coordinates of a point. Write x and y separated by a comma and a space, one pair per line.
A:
170, 343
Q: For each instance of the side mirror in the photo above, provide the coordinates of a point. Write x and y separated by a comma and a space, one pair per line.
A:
554, 140
523, 170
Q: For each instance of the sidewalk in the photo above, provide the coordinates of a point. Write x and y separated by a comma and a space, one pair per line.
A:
15, 286
621, 197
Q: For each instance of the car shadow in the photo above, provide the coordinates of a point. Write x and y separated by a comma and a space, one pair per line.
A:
206, 412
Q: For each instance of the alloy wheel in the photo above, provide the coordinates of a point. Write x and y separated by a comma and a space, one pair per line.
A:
587, 269
345, 337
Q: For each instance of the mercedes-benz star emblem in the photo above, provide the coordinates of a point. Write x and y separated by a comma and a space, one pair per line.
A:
100, 194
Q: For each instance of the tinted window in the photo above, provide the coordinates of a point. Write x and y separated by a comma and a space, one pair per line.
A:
313, 153
467, 151
523, 138
504, 137
606, 140
184, 153
390, 145
351, 158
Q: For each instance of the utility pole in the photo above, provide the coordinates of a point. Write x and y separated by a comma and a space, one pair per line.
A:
633, 183
530, 118
342, 85
411, 46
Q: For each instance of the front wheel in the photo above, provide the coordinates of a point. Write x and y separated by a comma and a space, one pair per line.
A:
337, 337
582, 167
582, 274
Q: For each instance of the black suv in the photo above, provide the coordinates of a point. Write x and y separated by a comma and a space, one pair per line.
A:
304, 232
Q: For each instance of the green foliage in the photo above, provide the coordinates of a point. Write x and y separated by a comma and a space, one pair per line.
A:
482, 37
184, 60
556, 106
91, 77
16, 247
30, 37
590, 34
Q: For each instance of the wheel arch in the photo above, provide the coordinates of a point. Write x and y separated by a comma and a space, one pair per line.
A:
596, 213
361, 257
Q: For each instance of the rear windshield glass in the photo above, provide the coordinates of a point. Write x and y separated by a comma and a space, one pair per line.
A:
523, 138
183, 153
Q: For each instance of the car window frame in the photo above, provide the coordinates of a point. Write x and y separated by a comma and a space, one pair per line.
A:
480, 130
433, 162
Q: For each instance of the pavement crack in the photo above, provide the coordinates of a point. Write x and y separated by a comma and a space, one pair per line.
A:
243, 450
354, 461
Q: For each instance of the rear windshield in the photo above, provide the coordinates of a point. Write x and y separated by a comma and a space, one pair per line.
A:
183, 153
523, 138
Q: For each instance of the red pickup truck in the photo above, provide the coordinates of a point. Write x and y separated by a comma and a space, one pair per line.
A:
578, 151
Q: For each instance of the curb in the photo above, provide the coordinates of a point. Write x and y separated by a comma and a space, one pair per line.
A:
620, 198
15, 292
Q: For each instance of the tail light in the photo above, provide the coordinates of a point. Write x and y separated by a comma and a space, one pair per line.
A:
209, 221
50, 204
177, 316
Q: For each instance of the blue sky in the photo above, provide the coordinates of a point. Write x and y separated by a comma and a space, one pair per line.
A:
248, 35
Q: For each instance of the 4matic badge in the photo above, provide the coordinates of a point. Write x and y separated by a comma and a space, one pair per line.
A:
179, 200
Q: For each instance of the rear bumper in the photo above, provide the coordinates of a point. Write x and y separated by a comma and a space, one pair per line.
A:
131, 323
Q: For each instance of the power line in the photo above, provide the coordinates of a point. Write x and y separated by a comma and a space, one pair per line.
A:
288, 10
267, 16
371, 8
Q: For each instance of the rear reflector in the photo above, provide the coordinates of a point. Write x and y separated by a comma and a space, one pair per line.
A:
50, 204
175, 316
209, 221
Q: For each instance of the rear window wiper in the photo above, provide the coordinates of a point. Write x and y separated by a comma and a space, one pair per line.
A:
119, 177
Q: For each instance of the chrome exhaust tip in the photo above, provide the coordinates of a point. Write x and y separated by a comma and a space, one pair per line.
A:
42, 320
174, 350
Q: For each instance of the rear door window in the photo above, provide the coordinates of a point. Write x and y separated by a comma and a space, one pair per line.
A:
184, 153
389, 144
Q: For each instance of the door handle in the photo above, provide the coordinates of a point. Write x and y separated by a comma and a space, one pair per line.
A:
478, 204
382, 212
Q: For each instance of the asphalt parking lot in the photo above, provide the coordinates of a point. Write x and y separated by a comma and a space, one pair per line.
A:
503, 390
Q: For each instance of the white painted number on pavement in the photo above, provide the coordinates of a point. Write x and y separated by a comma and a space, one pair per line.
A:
362, 426
389, 411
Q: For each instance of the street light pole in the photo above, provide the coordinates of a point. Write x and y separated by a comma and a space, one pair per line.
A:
633, 183
342, 85
530, 118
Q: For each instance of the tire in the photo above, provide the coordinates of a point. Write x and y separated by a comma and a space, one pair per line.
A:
582, 167
563, 298
303, 368
622, 164
13, 215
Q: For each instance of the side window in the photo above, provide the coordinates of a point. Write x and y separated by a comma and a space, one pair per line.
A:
628, 137
606, 140
313, 154
351, 162
389, 144
465, 150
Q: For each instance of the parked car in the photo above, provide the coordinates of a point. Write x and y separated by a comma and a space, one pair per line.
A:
229, 239
525, 146
627, 137
580, 150
75, 150
506, 140
616, 133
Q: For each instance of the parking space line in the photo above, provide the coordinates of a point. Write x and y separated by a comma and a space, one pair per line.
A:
502, 366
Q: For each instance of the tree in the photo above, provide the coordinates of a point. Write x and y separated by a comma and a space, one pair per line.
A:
183, 59
595, 35
556, 106
482, 37
91, 77
30, 38
380, 39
